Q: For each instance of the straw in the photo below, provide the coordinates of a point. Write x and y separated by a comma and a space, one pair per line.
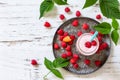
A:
94, 36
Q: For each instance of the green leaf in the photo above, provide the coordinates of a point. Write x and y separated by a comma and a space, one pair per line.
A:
60, 2
110, 8
46, 6
115, 36
115, 24
57, 73
60, 62
89, 3
104, 28
48, 64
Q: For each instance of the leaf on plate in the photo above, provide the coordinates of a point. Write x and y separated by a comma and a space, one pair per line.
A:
60, 2
115, 36
57, 73
48, 64
115, 24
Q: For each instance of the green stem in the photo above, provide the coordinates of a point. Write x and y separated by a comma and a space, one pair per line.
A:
46, 75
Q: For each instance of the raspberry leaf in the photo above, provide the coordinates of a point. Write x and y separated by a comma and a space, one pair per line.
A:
104, 28
115, 24
89, 3
57, 73
48, 64
60, 2
115, 36
110, 8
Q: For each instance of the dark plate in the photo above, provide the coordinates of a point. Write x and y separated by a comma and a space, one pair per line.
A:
102, 55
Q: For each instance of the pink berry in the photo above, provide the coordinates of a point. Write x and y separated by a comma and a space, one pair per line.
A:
94, 43
75, 23
68, 48
62, 17
47, 24
73, 61
76, 56
98, 16
67, 9
87, 61
69, 54
63, 44
79, 33
75, 66
72, 37
85, 26
60, 32
88, 44
56, 46
78, 13
97, 63
64, 55
92, 32
34, 62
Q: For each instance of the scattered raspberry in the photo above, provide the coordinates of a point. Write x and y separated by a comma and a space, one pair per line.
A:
73, 61
66, 33
60, 32
104, 45
100, 34
88, 44
99, 38
98, 16
92, 32
63, 44
75, 66
34, 62
67, 9
56, 46
87, 61
62, 17
75, 23
69, 53
97, 63
47, 24
79, 33
61, 38
68, 48
72, 37
67, 39
78, 13
94, 43
85, 26
64, 55
70, 43
76, 56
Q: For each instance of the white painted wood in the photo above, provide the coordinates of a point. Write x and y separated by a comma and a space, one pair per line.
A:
23, 37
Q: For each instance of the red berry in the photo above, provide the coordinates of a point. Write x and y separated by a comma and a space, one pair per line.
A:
47, 24
62, 17
76, 56
87, 61
92, 32
97, 63
98, 16
68, 48
64, 55
76, 66
60, 32
69, 54
66, 33
104, 45
73, 61
78, 13
34, 62
100, 34
70, 43
88, 44
67, 9
79, 33
63, 44
61, 38
94, 43
72, 37
75, 23
56, 46
99, 38
85, 26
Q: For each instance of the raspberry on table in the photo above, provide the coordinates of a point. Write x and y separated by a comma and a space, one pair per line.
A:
67, 9
78, 14
34, 62
62, 17
47, 24
98, 16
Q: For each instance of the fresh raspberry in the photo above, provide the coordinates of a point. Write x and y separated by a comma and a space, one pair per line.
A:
56, 46
94, 43
85, 26
78, 13
76, 56
75, 66
75, 23
61, 38
73, 61
88, 44
70, 43
100, 34
68, 48
97, 63
98, 16
63, 44
104, 45
92, 32
69, 53
64, 55
62, 17
99, 38
66, 33
72, 37
60, 32
47, 24
79, 33
87, 61
34, 62
67, 9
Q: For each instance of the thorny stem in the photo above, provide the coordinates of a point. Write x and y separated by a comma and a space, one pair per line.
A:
46, 75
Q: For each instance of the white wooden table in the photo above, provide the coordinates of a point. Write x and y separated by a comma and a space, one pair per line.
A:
23, 37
